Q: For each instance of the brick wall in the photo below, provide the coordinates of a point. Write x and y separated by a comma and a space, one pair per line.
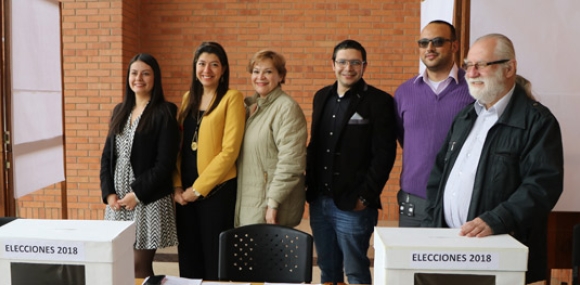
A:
99, 38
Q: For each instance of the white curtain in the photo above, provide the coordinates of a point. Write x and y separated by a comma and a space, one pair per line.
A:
37, 132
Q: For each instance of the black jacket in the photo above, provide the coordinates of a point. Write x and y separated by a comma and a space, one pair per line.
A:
519, 176
153, 158
365, 152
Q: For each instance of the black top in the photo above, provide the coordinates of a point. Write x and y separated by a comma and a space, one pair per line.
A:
189, 171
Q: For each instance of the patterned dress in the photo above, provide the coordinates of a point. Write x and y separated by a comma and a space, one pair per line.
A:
154, 222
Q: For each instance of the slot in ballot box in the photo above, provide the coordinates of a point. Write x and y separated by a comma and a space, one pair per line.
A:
429, 256
66, 252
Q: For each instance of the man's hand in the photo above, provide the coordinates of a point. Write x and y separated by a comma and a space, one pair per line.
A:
475, 228
359, 205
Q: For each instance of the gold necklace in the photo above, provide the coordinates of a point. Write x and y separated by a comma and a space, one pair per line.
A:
197, 123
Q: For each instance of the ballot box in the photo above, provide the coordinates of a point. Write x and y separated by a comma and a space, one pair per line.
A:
427, 256
66, 252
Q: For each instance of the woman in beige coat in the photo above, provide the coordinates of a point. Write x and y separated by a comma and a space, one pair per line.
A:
272, 160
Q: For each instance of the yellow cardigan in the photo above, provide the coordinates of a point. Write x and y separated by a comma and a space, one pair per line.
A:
219, 140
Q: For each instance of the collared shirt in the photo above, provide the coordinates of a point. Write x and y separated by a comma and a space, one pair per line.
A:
438, 87
459, 187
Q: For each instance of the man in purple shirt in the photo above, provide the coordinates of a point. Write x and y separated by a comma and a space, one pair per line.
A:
425, 107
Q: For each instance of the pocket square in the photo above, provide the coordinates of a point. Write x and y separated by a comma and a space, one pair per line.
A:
356, 116
357, 119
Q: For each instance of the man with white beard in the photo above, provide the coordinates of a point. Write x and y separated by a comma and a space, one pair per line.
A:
500, 170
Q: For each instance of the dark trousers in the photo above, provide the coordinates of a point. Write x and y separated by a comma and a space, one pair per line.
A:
199, 225
411, 210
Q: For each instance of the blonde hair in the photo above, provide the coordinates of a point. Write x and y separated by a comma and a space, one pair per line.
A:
277, 59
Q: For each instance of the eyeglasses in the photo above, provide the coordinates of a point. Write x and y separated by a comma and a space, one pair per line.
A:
477, 65
437, 42
353, 63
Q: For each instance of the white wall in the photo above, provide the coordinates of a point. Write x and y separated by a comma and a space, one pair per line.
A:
546, 38
547, 42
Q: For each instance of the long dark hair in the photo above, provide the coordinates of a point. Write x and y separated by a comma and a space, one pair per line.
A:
121, 113
196, 89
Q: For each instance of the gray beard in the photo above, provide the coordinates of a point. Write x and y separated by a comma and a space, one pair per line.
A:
492, 88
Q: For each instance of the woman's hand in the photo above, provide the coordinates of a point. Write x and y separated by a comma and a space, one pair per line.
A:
178, 196
189, 196
271, 215
129, 201
112, 201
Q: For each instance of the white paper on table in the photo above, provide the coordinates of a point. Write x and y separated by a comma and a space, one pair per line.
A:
223, 283
267, 283
175, 280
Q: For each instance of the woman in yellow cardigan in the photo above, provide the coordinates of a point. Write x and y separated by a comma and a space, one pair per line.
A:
212, 118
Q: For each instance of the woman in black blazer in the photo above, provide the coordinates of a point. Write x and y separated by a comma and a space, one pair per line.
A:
138, 160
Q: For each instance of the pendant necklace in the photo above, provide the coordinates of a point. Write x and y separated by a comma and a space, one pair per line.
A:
197, 123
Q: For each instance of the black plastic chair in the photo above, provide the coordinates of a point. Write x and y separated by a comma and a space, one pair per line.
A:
6, 220
265, 253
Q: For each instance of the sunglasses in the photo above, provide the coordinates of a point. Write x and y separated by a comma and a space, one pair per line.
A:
437, 42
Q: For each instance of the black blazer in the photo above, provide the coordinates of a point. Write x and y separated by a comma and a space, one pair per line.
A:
365, 150
153, 157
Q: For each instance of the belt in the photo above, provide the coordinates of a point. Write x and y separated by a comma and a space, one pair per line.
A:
403, 196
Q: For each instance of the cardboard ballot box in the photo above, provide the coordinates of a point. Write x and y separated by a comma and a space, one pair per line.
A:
79, 252
422, 256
